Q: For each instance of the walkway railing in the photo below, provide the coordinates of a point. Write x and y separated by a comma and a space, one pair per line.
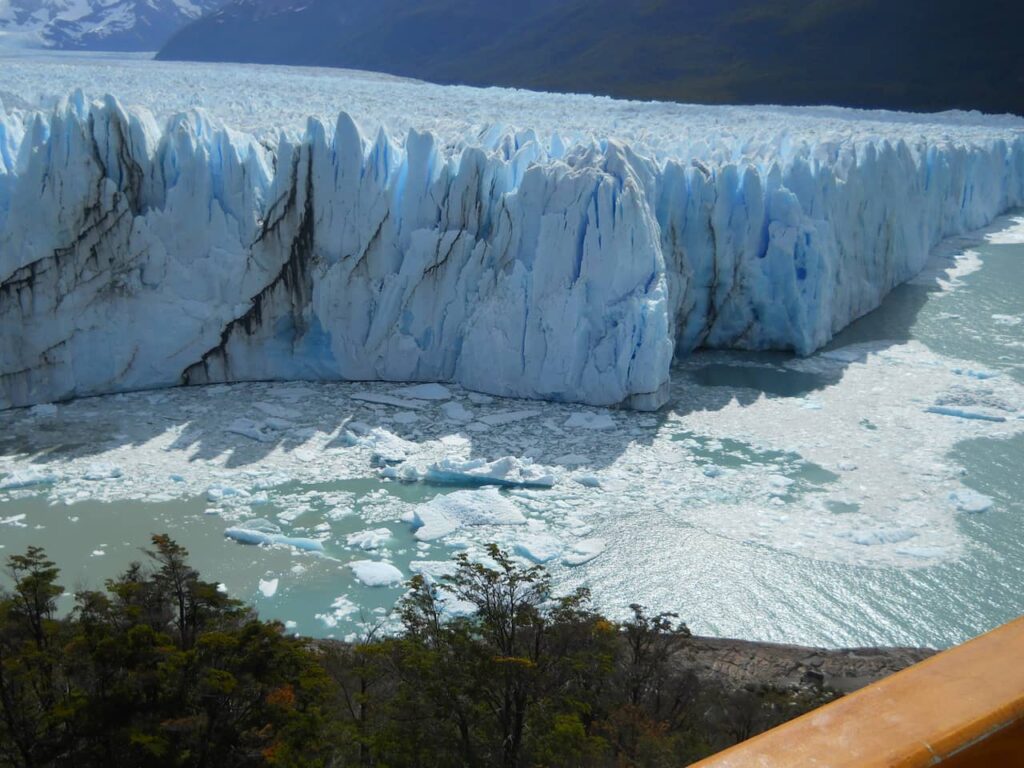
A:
960, 709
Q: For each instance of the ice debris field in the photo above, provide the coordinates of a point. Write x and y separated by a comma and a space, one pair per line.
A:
499, 273
192, 228
342, 491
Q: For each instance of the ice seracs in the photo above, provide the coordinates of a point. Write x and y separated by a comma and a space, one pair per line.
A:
139, 253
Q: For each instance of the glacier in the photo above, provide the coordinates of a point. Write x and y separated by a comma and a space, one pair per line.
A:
140, 251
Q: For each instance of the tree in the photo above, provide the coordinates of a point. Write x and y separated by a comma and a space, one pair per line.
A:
492, 669
31, 732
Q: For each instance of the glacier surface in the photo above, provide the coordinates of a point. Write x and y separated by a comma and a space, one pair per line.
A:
141, 248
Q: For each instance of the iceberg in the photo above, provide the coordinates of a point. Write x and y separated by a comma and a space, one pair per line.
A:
368, 540
508, 472
262, 532
539, 548
582, 552
375, 573
26, 478
140, 253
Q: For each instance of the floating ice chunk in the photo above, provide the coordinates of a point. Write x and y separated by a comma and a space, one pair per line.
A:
15, 521
1007, 320
923, 553
539, 547
963, 413
434, 523
846, 466
375, 573
386, 447
218, 494
103, 472
508, 417
263, 532
456, 411
397, 402
98, 553
510, 472
43, 411
433, 571
588, 481
967, 500
405, 418
424, 392
289, 624
26, 478
406, 473
367, 540
971, 373
274, 424
587, 420
250, 429
584, 551
277, 411
269, 587
445, 514
780, 482
451, 606
341, 609
478, 398
875, 536
712, 470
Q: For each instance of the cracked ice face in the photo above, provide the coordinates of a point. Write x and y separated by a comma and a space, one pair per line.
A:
143, 248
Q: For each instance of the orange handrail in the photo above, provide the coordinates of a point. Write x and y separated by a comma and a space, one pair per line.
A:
958, 709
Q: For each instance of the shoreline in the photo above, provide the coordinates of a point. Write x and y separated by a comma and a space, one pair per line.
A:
745, 663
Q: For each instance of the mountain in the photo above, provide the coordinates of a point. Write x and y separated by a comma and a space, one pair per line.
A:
915, 55
99, 25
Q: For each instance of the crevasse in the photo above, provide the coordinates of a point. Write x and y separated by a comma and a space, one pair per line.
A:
137, 255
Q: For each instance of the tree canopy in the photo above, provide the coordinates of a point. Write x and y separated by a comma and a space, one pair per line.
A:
491, 668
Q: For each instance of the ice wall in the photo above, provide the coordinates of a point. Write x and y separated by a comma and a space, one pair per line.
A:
135, 254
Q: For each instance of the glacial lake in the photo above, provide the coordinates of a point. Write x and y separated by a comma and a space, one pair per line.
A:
869, 494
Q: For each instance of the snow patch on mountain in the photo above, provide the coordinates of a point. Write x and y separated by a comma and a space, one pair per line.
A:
99, 25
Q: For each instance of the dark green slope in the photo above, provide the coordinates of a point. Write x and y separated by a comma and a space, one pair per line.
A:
907, 54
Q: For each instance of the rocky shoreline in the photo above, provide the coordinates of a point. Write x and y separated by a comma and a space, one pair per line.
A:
740, 664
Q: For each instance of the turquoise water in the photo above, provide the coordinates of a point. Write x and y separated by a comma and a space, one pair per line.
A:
839, 604
673, 483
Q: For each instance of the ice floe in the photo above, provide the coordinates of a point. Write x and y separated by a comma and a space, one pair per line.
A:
447, 513
375, 573
369, 540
